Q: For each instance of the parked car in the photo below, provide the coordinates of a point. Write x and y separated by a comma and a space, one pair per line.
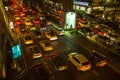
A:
23, 30
51, 35
40, 72
17, 17
59, 31
27, 39
103, 40
36, 21
84, 31
46, 46
98, 59
18, 22
113, 37
80, 61
58, 62
28, 23
36, 52
97, 31
38, 34
33, 28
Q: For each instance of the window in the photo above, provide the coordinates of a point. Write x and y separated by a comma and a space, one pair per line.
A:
76, 59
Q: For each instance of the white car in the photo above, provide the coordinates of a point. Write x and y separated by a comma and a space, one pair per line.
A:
59, 31
80, 61
51, 36
36, 52
46, 45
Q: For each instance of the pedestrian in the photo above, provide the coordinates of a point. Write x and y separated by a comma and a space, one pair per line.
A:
93, 55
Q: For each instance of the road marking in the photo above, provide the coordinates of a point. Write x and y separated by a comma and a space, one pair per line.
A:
68, 48
96, 73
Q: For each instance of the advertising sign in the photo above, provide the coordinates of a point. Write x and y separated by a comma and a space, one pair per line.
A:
16, 51
81, 3
70, 19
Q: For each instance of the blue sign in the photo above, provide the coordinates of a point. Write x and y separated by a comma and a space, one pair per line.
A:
16, 51
81, 3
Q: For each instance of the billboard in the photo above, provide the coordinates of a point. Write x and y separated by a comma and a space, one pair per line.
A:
70, 19
16, 51
81, 3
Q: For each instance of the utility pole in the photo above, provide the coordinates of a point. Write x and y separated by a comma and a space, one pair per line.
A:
2, 61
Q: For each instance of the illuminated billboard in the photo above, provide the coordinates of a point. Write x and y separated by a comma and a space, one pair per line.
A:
81, 3
70, 19
16, 51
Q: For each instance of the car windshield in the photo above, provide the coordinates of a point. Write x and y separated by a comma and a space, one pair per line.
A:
27, 38
59, 29
47, 44
52, 33
59, 61
40, 70
35, 50
38, 33
85, 63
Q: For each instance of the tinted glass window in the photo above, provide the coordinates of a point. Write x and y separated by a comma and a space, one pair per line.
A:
28, 38
60, 29
47, 44
35, 50
76, 59
85, 63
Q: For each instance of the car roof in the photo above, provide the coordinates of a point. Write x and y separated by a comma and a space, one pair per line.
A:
35, 49
58, 60
40, 69
27, 37
80, 57
45, 41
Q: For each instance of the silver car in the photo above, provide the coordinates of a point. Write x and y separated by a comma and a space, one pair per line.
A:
80, 61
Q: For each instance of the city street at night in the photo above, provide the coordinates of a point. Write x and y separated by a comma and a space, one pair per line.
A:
60, 40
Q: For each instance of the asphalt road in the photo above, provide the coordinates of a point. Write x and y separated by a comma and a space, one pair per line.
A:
63, 46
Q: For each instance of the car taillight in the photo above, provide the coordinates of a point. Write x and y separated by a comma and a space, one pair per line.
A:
99, 33
17, 23
82, 66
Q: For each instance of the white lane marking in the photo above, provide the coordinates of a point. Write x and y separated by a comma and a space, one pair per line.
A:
96, 73
68, 48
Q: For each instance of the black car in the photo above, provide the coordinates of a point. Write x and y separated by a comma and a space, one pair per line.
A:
40, 72
38, 34
84, 31
104, 40
98, 59
58, 62
23, 30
